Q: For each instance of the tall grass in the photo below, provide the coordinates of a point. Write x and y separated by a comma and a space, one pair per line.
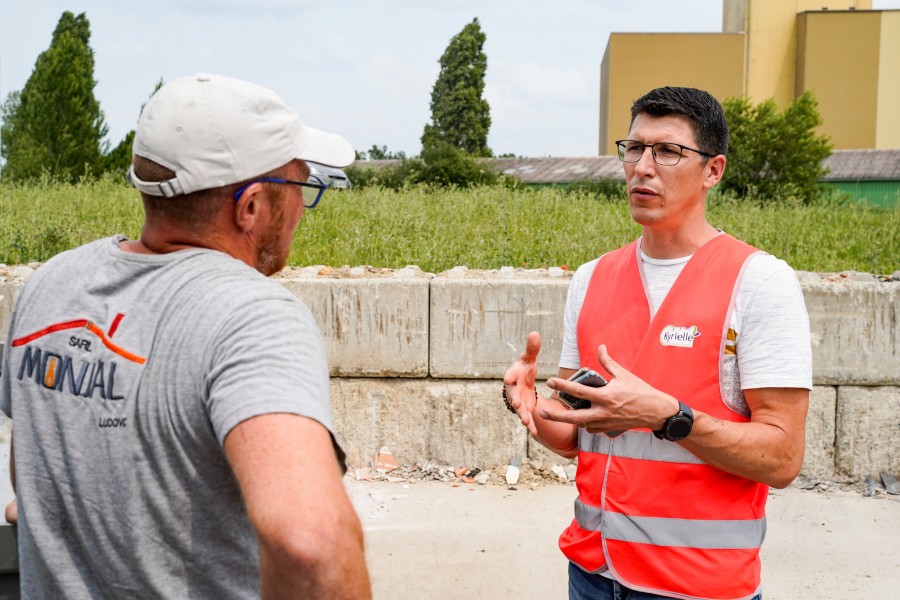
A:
44, 218
481, 228
830, 234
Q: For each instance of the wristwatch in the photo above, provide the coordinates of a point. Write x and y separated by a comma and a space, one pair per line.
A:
678, 426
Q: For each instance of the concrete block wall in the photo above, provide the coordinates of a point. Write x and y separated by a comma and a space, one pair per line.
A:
855, 331
375, 321
417, 359
479, 320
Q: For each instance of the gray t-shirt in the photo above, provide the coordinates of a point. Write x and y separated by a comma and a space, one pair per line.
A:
123, 373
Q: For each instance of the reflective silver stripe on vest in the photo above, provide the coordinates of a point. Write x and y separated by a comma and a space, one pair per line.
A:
744, 534
635, 444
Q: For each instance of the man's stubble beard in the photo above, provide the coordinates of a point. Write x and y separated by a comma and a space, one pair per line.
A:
269, 259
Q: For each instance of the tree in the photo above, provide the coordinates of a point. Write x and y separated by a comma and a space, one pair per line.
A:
55, 123
381, 153
9, 112
459, 114
118, 159
772, 154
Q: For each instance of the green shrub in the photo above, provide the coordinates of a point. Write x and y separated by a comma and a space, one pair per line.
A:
395, 176
441, 165
775, 154
446, 165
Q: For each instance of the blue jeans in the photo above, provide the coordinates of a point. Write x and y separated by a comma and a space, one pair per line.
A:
585, 586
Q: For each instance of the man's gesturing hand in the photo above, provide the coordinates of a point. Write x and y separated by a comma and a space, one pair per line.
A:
626, 402
520, 380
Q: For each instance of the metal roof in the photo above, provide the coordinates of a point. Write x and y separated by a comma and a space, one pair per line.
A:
560, 170
864, 165
845, 165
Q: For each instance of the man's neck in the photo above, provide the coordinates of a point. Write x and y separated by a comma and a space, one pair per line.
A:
678, 243
165, 241
139, 246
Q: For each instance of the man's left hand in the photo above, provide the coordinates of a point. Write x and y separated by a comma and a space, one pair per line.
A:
626, 402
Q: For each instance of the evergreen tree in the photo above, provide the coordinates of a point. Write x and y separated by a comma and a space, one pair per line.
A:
9, 112
55, 123
774, 154
459, 115
118, 159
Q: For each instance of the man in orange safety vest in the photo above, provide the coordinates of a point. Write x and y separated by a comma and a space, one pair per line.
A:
704, 342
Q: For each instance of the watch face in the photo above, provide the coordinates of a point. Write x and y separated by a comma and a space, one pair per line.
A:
678, 428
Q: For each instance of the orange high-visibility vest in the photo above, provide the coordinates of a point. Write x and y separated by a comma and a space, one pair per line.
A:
662, 520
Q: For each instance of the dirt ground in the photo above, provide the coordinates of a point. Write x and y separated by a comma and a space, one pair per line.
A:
437, 540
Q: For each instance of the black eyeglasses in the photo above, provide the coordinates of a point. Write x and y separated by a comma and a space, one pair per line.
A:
666, 154
314, 183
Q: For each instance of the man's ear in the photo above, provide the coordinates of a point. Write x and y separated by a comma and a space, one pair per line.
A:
247, 207
715, 168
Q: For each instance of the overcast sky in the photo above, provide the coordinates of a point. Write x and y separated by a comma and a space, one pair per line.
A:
361, 68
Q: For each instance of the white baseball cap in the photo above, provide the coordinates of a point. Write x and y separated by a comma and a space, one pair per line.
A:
213, 131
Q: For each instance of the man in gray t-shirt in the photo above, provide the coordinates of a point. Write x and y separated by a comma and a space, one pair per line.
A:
173, 434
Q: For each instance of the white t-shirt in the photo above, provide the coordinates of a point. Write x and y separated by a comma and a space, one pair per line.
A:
769, 321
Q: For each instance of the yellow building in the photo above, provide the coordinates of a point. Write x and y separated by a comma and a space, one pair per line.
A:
845, 53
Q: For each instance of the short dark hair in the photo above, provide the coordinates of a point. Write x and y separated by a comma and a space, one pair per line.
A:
198, 209
195, 210
697, 107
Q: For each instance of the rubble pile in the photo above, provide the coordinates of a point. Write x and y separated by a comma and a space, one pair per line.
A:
882, 486
530, 474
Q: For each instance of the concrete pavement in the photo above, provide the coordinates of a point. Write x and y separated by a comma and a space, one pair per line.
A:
433, 541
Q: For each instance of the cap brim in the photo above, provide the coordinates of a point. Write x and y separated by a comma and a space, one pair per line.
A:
326, 148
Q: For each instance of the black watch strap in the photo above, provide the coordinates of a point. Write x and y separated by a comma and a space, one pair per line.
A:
678, 426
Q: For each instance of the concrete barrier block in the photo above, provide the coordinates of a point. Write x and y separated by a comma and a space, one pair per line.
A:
479, 320
447, 422
11, 285
374, 322
818, 457
6, 489
868, 431
855, 332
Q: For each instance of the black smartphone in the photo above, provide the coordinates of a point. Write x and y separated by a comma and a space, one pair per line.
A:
584, 376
